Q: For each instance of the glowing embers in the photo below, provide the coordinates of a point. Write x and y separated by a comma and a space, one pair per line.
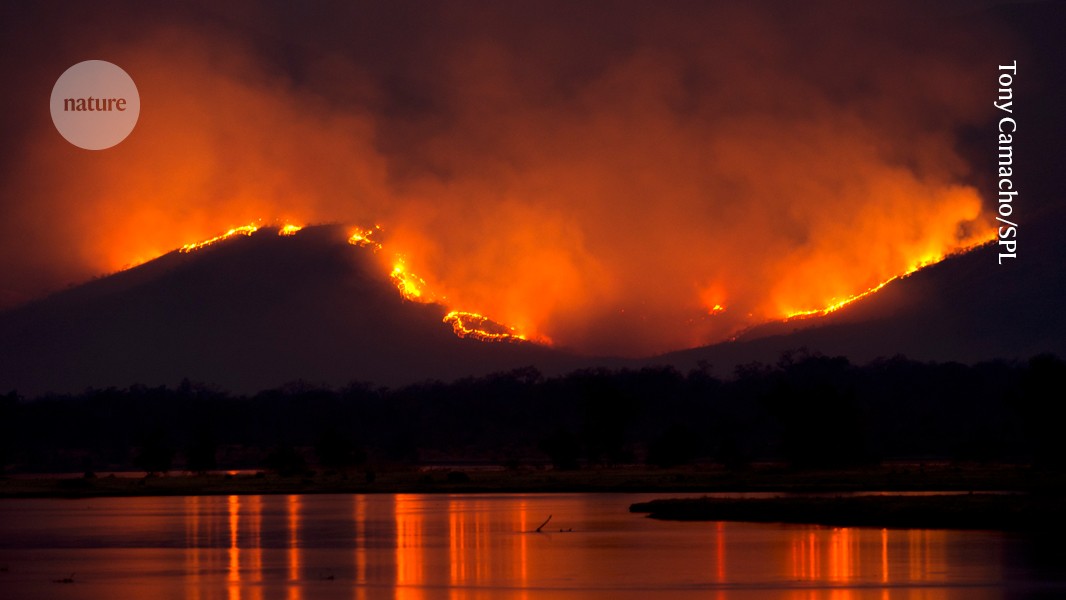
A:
361, 238
411, 286
245, 230
289, 229
481, 328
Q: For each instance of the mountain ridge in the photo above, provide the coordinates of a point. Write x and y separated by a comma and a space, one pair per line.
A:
245, 314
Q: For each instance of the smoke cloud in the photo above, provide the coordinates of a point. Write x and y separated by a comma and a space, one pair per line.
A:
611, 177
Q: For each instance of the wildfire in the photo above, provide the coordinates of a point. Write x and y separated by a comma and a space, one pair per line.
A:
846, 301
245, 230
361, 237
411, 286
836, 304
480, 327
468, 324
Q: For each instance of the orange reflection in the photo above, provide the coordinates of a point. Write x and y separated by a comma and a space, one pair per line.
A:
884, 556
359, 517
255, 550
488, 547
292, 504
719, 558
845, 556
409, 547
523, 541
233, 574
192, 543
464, 547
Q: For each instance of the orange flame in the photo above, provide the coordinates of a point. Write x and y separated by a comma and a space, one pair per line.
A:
243, 230
837, 304
361, 237
468, 324
414, 289
481, 328
538, 191
411, 286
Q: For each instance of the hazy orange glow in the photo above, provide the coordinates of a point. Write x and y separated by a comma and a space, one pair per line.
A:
837, 304
660, 197
465, 324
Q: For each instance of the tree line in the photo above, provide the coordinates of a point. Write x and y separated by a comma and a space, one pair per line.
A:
807, 410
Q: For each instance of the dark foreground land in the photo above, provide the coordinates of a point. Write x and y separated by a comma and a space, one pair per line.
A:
1007, 511
810, 425
914, 477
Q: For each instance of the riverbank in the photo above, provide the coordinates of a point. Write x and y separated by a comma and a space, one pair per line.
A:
903, 478
1000, 511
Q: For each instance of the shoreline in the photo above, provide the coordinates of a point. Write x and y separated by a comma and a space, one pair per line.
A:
926, 496
923, 478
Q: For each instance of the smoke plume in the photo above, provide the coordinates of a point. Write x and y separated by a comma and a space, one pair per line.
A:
612, 177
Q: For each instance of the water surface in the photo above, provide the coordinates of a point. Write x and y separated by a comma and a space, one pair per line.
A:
408, 547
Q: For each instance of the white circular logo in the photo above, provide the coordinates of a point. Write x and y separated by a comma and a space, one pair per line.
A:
95, 105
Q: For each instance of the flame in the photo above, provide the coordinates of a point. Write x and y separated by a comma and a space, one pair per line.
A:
361, 237
535, 189
411, 286
837, 304
468, 324
481, 328
243, 230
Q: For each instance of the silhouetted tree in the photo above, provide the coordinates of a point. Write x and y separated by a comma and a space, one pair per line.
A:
201, 454
1043, 406
156, 453
678, 445
336, 449
819, 414
286, 461
563, 449
609, 410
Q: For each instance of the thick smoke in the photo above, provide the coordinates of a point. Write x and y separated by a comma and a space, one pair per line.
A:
600, 175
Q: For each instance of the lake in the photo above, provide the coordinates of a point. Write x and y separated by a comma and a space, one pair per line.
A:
467, 547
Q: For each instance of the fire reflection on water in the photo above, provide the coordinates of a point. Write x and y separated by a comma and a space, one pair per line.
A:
840, 556
417, 546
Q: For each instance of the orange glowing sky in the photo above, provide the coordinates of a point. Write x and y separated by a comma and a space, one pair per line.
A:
658, 181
